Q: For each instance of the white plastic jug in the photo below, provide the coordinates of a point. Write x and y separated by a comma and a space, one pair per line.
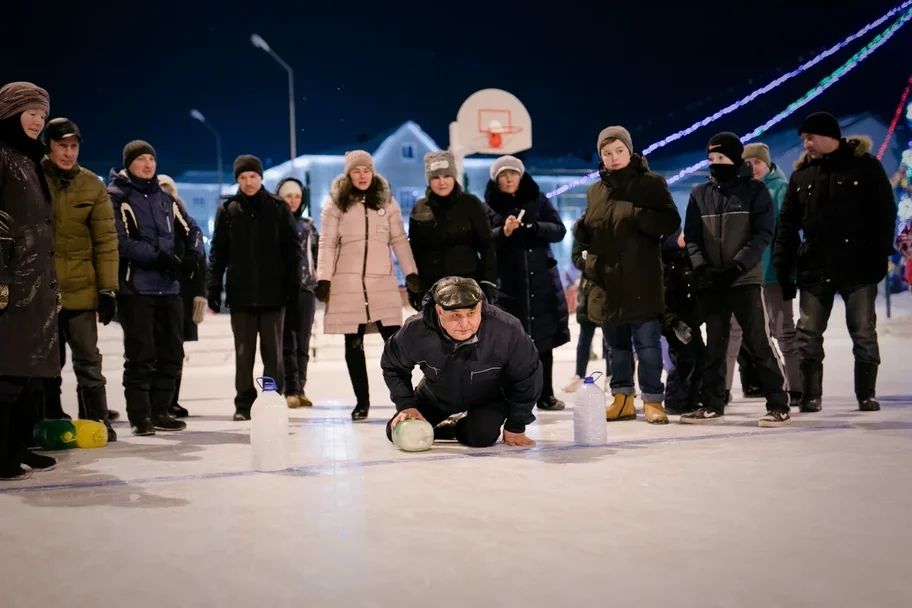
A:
589, 425
413, 435
269, 428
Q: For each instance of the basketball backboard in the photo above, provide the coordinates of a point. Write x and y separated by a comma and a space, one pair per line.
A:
491, 121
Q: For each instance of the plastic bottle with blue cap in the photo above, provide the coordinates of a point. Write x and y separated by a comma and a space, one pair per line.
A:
589, 425
269, 428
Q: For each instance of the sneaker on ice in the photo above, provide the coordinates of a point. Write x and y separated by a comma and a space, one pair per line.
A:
774, 420
702, 416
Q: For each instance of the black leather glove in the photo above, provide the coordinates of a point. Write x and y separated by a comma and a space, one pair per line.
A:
415, 299
215, 302
322, 291
107, 306
168, 262
729, 274
705, 276
413, 283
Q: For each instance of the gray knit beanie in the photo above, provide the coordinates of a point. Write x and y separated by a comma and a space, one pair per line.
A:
758, 150
505, 163
614, 132
439, 164
358, 158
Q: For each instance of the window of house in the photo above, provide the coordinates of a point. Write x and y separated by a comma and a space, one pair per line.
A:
408, 151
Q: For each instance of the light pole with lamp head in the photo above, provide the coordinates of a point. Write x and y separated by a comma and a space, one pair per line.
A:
197, 115
259, 43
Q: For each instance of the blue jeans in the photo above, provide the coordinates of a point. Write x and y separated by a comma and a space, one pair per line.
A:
645, 337
584, 347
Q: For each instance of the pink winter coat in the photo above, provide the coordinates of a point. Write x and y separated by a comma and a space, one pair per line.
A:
355, 256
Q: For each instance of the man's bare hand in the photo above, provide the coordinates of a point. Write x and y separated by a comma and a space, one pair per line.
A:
406, 414
517, 439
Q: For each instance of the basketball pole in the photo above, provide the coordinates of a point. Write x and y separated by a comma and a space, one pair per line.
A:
456, 149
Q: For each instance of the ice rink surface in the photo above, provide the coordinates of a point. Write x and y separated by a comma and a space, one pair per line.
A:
815, 514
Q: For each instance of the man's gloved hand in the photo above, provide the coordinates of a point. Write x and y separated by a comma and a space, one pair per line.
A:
215, 302
705, 276
4, 297
415, 299
413, 283
190, 264
729, 274
322, 291
683, 332
199, 309
107, 306
168, 262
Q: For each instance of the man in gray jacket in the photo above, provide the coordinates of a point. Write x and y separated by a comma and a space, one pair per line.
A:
476, 359
728, 225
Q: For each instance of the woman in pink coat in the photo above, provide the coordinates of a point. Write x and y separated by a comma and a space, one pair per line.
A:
360, 223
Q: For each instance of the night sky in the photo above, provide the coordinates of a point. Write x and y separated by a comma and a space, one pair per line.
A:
364, 68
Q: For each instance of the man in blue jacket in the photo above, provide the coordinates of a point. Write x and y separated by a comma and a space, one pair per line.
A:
476, 359
149, 303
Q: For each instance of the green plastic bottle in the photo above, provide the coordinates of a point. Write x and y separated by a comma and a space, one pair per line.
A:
55, 434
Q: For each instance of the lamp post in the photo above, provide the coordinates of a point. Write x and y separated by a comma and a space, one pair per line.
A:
259, 43
197, 115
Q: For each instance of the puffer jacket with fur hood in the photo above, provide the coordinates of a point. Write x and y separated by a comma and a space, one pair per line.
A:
838, 218
354, 255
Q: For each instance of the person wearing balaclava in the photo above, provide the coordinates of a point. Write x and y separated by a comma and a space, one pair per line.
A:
29, 298
729, 223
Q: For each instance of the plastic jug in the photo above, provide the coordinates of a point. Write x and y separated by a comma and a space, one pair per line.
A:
55, 434
90, 434
413, 435
269, 428
589, 425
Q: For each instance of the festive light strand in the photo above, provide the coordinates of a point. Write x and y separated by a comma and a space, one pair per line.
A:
745, 100
892, 128
775, 83
822, 86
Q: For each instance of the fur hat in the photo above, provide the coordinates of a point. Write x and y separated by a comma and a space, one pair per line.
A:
439, 164
726, 143
17, 97
615, 132
505, 163
247, 162
821, 123
358, 158
758, 150
134, 149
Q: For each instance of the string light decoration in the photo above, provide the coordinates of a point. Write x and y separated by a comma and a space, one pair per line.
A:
745, 100
892, 128
822, 86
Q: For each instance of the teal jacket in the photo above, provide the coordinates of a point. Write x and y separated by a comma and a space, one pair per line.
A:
777, 184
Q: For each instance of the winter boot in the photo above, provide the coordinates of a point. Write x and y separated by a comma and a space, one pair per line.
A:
811, 399
162, 419
305, 401
865, 383
95, 403
654, 413
139, 411
292, 401
623, 408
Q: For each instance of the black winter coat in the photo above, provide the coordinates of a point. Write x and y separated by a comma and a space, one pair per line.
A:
681, 303
192, 285
28, 326
255, 241
451, 236
500, 364
530, 284
627, 213
838, 219
730, 222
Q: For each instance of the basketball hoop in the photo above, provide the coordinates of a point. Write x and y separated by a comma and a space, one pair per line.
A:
496, 132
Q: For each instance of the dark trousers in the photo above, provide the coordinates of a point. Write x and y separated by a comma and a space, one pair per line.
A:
79, 330
480, 428
746, 304
246, 325
299, 321
547, 361
685, 378
357, 364
19, 398
584, 347
153, 352
816, 304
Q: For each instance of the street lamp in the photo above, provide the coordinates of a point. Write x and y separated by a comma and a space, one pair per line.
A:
259, 43
197, 115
